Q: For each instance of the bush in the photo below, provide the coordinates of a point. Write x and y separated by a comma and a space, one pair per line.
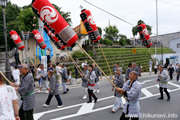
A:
78, 54
108, 42
122, 42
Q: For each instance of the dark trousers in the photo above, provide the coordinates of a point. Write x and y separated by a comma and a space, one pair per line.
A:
155, 71
123, 117
25, 115
76, 75
48, 58
177, 77
90, 92
58, 98
18, 62
171, 75
165, 90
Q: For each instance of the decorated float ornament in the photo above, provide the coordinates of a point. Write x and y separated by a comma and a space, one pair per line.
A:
39, 39
90, 25
17, 40
54, 21
54, 39
144, 35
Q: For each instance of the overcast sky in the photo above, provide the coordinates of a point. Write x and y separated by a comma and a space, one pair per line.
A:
129, 10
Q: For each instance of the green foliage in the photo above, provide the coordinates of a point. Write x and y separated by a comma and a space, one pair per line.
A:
100, 31
11, 12
78, 54
135, 31
26, 20
111, 33
21, 19
107, 42
65, 15
122, 42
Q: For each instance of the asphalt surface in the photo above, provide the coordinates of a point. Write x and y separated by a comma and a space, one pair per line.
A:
77, 109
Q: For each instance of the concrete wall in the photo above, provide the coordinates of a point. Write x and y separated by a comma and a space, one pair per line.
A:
176, 60
173, 45
166, 38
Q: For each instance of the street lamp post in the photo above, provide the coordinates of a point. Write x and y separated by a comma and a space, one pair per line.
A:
8, 70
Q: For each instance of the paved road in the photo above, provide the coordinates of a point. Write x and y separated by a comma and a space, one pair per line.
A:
77, 109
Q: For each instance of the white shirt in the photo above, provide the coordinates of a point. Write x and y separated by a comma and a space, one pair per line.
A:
12, 68
38, 72
58, 69
7, 95
83, 64
16, 74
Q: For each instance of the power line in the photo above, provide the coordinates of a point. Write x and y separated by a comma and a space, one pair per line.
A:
150, 3
109, 13
169, 3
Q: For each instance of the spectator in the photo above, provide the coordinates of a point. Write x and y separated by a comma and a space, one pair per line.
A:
117, 66
171, 71
178, 72
76, 72
155, 69
38, 73
12, 67
8, 111
16, 57
50, 67
140, 67
114, 68
48, 54
16, 75
150, 66
82, 65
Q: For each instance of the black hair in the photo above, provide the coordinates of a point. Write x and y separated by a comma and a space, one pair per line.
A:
16, 67
129, 64
91, 66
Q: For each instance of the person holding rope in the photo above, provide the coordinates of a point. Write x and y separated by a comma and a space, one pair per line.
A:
9, 110
91, 84
85, 81
119, 81
26, 89
132, 91
98, 74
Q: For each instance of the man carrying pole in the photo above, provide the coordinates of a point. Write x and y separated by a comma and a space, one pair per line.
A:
132, 91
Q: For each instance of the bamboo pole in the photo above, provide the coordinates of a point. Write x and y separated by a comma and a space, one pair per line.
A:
30, 60
76, 65
101, 71
5, 77
106, 60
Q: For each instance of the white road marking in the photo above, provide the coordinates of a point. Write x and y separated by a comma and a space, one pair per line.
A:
103, 108
86, 108
174, 84
146, 92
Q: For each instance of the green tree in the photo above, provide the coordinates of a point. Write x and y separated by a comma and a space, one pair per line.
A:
12, 12
100, 31
111, 33
65, 15
135, 31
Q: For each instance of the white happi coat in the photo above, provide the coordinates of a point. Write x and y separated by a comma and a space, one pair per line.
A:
133, 95
163, 80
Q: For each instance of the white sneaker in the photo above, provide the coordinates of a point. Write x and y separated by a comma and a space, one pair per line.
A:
94, 90
97, 90
38, 91
84, 97
59, 106
45, 105
113, 110
47, 92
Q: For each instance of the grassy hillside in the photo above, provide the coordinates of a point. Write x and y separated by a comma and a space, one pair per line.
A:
124, 56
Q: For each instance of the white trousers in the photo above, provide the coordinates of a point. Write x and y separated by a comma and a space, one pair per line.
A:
118, 103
